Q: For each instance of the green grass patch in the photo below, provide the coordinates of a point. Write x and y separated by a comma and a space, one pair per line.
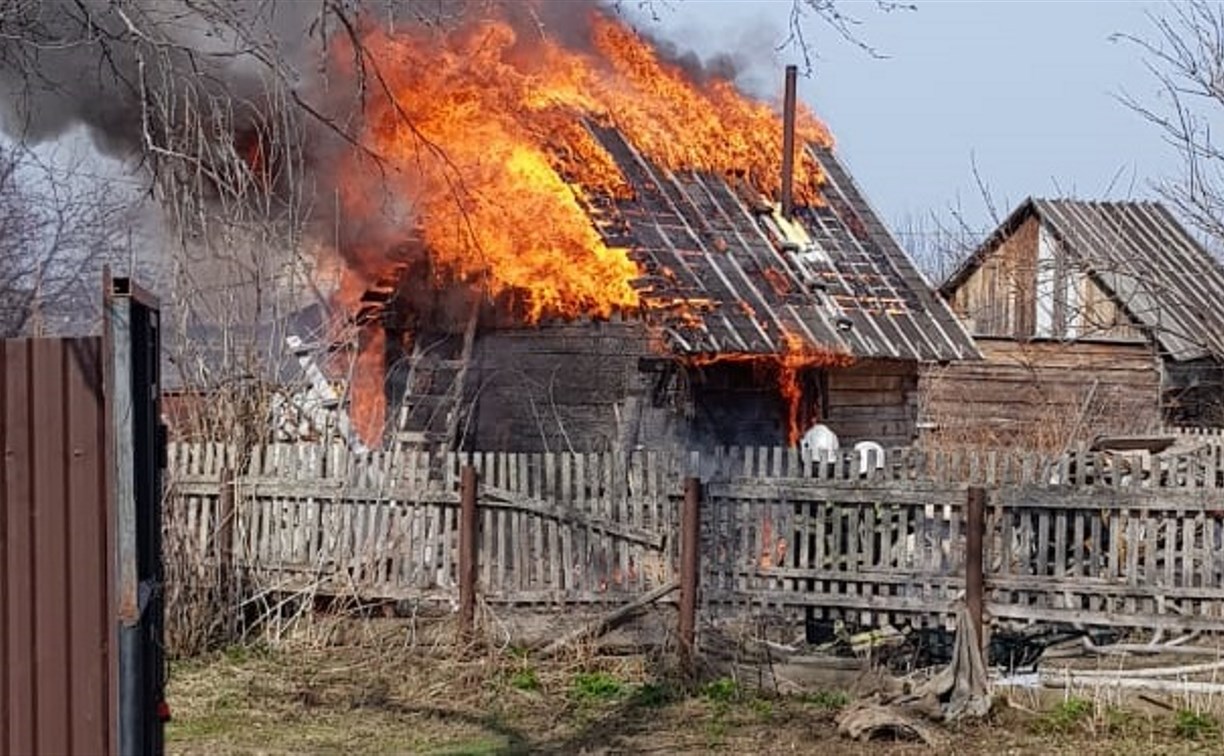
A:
829, 700
722, 690
524, 679
597, 686
763, 708
1195, 725
1066, 715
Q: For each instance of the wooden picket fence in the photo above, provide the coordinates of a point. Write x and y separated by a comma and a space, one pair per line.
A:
554, 528
1103, 539
1118, 557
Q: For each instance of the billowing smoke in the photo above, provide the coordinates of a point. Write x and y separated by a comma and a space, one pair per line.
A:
204, 80
239, 107
96, 62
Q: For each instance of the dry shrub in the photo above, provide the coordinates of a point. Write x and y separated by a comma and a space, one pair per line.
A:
202, 603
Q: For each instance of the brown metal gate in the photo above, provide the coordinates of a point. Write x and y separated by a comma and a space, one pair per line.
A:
57, 640
81, 669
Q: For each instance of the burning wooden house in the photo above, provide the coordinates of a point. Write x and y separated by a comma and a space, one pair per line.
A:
678, 267
1094, 317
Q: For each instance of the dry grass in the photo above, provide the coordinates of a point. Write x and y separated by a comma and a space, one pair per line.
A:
386, 696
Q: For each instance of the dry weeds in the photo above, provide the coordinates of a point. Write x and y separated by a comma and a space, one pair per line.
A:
381, 694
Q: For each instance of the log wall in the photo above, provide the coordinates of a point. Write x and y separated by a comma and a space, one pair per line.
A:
581, 388
562, 387
874, 400
1042, 394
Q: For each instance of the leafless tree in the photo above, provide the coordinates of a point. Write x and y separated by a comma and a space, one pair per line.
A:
57, 230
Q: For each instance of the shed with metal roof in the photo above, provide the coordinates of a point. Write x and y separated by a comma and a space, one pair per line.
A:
729, 286
1092, 316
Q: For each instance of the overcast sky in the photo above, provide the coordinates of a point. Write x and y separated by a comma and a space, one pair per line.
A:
1027, 89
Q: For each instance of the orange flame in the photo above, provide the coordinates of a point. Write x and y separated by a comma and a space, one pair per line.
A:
482, 152
367, 410
483, 138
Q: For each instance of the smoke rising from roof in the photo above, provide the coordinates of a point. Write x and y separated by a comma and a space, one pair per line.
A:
95, 62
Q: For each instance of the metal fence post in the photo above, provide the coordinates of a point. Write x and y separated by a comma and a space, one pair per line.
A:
690, 558
975, 528
467, 552
132, 334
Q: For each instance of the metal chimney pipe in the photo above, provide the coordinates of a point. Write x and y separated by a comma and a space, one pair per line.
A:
788, 142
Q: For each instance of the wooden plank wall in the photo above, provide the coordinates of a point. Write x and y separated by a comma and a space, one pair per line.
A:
997, 299
1123, 540
1042, 394
874, 400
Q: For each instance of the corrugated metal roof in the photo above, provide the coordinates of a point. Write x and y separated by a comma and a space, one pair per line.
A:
205, 354
1143, 257
743, 283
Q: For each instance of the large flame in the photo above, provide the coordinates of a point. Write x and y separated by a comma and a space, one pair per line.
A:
481, 153
482, 137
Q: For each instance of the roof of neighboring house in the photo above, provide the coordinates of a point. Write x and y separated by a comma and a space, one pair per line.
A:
1140, 255
848, 287
206, 355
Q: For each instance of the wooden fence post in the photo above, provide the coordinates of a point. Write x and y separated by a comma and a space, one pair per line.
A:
224, 544
468, 534
690, 544
975, 528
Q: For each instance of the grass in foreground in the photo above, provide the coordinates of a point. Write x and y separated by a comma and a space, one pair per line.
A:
356, 700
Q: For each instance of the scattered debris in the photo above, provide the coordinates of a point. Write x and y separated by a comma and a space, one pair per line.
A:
957, 692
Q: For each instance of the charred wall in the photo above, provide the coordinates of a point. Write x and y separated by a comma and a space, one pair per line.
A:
584, 388
603, 386
737, 404
563, 387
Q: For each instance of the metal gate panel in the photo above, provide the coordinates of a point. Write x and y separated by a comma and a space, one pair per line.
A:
57, 650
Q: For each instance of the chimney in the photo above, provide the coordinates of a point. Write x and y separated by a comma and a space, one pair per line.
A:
788, 143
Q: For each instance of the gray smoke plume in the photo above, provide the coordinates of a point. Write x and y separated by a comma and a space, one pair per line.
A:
210, 95
199, 80
99, 63
103, 63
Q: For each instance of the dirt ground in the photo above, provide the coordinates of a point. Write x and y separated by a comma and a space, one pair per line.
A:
379, 698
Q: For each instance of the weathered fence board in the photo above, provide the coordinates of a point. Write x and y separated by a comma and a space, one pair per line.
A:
1088, 537
841, 548
553, 528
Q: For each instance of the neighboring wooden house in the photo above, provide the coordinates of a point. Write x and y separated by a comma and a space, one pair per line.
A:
731, 291
1093, 317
